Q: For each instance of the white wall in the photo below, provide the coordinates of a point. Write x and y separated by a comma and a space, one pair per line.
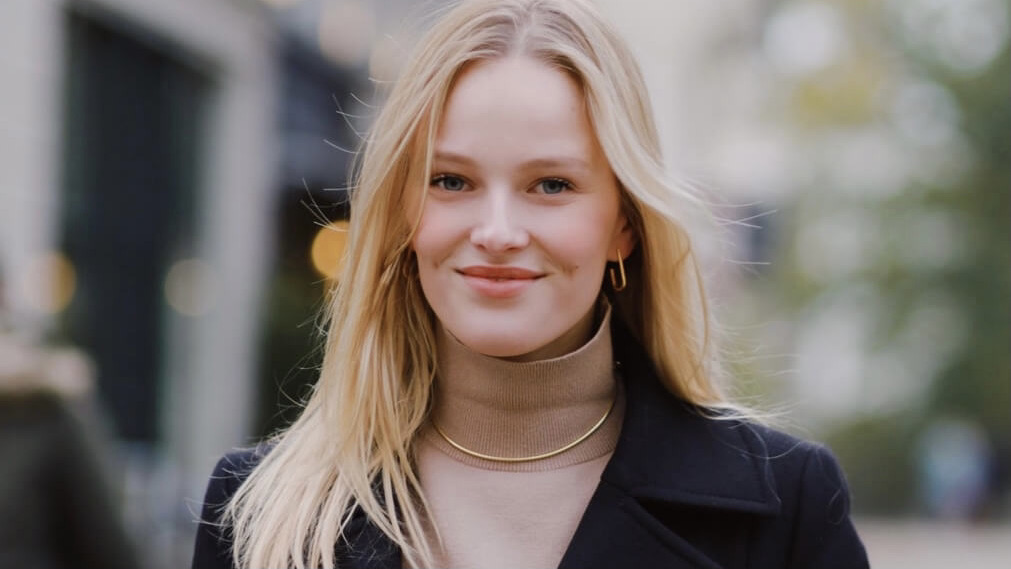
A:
30, 100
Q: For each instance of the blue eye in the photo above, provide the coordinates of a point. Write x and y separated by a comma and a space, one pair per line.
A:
449, 183
554, 186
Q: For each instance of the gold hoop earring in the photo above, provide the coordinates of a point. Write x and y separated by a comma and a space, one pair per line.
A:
621, 270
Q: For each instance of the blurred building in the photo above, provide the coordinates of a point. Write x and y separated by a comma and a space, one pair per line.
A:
168, 172
138, 169
146, 148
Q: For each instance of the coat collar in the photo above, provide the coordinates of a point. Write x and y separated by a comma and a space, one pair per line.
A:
668, 453
669, 456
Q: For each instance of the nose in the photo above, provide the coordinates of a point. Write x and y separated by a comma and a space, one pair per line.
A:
500, 227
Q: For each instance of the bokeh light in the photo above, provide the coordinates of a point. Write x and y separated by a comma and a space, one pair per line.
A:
191, 287
328, 246
48, 282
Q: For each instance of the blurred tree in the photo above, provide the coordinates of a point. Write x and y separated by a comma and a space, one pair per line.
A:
903, 223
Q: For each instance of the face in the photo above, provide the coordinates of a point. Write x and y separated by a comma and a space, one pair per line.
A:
521, 215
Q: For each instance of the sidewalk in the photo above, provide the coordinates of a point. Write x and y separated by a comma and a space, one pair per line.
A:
916, 544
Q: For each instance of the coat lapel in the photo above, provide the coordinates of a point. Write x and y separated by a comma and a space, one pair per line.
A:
616, 532
668, 458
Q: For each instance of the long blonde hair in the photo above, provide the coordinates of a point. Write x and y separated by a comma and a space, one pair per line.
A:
351, 448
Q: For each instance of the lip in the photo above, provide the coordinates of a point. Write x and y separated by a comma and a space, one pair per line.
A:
499, 282
499, 272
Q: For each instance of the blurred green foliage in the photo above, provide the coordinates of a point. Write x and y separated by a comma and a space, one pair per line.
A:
880, 446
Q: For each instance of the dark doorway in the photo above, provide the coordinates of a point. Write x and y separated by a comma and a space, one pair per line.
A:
317, 142
134, 138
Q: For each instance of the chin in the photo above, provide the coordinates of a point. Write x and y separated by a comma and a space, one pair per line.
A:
499, 349
498, 345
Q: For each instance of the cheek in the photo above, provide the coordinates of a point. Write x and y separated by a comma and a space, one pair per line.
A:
582, 241
433, 238
423, 243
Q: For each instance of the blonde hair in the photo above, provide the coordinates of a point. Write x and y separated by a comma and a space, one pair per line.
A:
351, 448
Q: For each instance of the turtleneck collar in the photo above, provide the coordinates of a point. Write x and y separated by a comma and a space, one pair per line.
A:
505, 408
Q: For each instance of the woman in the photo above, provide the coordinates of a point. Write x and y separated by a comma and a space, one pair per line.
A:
490, 394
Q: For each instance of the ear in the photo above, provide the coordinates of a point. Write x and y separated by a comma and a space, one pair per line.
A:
625, 239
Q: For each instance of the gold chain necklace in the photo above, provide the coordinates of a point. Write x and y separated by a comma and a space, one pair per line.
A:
550, 454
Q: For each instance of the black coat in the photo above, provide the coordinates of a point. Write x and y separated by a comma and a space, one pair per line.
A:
57, 509
681, 491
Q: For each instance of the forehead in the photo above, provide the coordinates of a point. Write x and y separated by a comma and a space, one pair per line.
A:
516, 104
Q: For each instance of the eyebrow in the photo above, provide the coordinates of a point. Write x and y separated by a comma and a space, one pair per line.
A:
543, 162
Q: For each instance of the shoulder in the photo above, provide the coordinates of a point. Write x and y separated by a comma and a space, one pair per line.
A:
786, 496
213, 547
811, 526
793, 472
716, 452
229, 473
233, 468
784, 451
804, 472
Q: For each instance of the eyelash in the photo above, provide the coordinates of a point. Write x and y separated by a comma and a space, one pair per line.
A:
566, 185
442, 178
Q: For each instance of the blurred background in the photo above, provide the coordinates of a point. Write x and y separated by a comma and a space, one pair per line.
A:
171, 170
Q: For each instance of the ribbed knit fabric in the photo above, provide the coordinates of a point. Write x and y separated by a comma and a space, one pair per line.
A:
494, 514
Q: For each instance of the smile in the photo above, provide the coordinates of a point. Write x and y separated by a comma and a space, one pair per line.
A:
499, 282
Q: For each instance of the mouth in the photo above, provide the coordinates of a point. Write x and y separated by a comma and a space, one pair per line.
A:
499, 273
499, 282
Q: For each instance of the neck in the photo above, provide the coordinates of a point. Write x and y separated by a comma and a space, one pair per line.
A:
518, 409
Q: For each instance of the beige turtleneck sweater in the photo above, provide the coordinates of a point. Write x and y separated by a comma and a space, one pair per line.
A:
517, 515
